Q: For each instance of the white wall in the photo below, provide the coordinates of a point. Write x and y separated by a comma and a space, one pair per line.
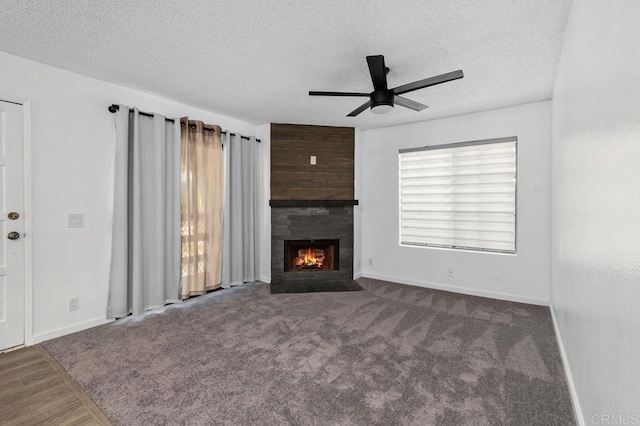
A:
596, 207
357, 210
263, 133
521, 277
72, 161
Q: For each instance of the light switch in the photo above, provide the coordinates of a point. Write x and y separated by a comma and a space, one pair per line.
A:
76, 220
313, 160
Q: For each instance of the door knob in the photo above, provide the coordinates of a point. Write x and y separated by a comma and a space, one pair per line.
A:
13, 235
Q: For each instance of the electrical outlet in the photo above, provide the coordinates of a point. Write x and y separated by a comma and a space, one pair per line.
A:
370, 261
74, 303
358, 264
450, 272
312, 161
75, 220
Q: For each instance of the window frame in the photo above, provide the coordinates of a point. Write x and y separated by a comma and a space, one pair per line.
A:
513, 139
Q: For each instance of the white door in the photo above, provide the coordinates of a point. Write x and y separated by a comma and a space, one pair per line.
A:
11, 226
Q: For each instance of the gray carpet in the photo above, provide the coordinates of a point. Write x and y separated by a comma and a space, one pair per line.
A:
388, 355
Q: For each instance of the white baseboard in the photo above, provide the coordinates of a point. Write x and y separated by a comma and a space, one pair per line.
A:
462, 290
567, 371
43, 337
357, 275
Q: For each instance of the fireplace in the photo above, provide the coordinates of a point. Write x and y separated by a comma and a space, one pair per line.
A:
312, 208
311, 245
311, 255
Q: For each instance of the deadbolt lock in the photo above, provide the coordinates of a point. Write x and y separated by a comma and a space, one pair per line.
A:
14, 215
13, 235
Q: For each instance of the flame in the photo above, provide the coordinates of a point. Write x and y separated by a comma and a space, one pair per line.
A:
309, 257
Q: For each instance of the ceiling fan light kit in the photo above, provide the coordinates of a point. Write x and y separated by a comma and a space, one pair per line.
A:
383, 99
381, 109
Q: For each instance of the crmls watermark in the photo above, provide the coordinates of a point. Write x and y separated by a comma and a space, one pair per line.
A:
615, 419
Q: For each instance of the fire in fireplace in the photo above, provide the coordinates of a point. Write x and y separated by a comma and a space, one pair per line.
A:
311, 255
309, 258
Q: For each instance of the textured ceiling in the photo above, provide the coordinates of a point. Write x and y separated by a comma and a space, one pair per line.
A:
256, 60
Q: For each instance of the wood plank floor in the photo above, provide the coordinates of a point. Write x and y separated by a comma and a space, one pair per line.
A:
35, 389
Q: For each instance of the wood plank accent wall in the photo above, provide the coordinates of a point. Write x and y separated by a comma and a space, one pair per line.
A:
292, 175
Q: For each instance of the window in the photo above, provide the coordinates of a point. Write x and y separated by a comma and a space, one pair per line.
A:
460, 195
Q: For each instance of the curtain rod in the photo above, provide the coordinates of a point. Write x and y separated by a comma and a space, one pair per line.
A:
113, 108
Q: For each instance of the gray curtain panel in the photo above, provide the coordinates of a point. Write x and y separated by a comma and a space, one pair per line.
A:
146, 240
239, 253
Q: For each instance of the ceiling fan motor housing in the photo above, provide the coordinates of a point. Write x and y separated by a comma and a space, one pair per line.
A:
381, 97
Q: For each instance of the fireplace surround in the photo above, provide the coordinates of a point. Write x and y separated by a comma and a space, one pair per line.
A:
326, 230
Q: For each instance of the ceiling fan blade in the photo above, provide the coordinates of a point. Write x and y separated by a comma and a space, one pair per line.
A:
316, 93
408, 103
359, 109
432, 81
378, 72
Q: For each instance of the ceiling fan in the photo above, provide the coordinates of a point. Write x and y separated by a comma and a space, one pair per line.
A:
382, 99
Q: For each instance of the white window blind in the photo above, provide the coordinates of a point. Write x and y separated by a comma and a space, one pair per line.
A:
460, 195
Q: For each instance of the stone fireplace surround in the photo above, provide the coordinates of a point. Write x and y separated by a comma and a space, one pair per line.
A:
312, 220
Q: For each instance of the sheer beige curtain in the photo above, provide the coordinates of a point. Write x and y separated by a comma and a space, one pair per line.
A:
202, 207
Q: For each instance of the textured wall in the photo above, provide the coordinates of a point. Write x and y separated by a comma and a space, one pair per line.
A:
523, 277
264, 229
292, 175
596, 207
72, 162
